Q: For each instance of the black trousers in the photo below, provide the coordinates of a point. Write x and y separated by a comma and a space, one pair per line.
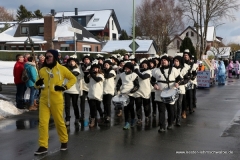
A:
194, 96
170, 111
21, 88
154, 106
178, 108
95, 106
67, 99
139, 102
189, 99
82, 102
129, 109
107, 100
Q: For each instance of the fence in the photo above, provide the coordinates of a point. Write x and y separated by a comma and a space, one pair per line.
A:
10, 55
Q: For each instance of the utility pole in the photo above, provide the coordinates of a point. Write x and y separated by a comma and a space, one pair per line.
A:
133, 43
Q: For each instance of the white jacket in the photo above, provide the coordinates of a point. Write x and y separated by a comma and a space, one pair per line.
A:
109, 84
75, 89
156, 73
127, 82
96, 88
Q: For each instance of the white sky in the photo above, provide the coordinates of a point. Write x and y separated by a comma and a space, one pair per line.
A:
230, 31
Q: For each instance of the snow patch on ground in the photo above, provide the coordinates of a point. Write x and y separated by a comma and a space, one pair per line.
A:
6, 71
8, 109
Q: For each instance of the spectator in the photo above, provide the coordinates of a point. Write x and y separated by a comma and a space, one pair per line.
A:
17, 73
26, 55
31, 69
201, 66
60, 59
41, 61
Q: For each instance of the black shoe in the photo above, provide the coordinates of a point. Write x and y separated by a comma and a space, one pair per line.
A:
169, 127
63, 147
41, 150
178, 124
161, 130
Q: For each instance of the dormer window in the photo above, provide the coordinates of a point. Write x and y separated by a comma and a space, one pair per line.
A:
24, 30
192, 34
40, 30
95, 19
187, 34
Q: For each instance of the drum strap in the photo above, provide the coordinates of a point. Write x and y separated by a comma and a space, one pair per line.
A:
167, 78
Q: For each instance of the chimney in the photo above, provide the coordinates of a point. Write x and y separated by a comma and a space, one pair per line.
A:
53, 12
49, 31
76, 11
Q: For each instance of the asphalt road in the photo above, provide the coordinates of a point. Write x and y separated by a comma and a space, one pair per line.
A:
212, 132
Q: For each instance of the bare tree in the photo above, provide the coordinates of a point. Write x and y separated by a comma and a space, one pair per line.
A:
5, 15
159, 20
202, 12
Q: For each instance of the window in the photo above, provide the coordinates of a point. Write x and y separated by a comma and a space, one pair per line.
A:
114, 37
20, 47
95, 19
192, 34
40, 30
86, 49
96, 48
79, 20
178, 44
187, 34
13, 48
112, 25
24, 30
107, 25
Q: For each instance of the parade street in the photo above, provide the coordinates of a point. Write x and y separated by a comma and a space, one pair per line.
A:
211, 132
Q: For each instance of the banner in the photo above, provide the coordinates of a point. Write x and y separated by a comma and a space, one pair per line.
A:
203, 78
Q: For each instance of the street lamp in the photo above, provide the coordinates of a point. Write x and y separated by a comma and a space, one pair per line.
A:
133, 43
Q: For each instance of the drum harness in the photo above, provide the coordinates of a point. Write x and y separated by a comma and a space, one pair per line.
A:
167, 78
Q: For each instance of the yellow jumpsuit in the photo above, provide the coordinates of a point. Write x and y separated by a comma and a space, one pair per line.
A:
51, 102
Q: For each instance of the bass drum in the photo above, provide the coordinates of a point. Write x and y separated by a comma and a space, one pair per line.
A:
120, 100
169, 95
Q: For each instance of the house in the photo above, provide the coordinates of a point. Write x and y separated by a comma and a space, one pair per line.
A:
101, 23
46, 33
191, 32
142, 46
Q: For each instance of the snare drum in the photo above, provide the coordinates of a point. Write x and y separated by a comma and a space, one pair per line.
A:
169, 95
120, 101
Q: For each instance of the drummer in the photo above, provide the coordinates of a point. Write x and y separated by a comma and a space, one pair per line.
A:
166, 77
128, 84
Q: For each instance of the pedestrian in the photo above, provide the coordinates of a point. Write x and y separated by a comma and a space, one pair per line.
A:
95, 79
30, 67
41, 61
230, 68
26, 55
128, 84
152, 64
72, 93
108, 89
166, 77
20, 85
52, 76
237, 69
221, 73
60, 59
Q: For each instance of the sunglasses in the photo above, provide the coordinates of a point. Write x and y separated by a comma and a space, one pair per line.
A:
47, 57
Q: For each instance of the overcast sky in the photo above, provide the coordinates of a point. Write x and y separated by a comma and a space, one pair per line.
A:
229, 31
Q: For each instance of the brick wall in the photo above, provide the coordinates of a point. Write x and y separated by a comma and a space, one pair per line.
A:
49, 30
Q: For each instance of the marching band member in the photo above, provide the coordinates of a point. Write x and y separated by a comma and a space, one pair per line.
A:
128, 84
72, 93
152, 65
178, 64
95, 79
192, 74
126, 57
108, 88
166, 77
84, 68
134, 61
100, 59
143, 94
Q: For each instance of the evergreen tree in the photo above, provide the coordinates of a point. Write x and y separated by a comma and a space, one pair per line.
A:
119, 51
6, 26
187, 44
124, 35
37, 14
23, 13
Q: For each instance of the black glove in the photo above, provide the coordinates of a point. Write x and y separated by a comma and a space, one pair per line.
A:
60, 88
39, 82
136, 70
193, 78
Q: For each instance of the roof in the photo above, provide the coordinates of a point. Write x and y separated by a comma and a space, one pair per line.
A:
98, 20
8, 36
144, 45
62, 31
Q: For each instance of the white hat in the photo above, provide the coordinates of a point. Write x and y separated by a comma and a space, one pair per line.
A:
186, 51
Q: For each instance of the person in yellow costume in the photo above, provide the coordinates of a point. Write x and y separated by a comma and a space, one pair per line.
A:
51, 78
